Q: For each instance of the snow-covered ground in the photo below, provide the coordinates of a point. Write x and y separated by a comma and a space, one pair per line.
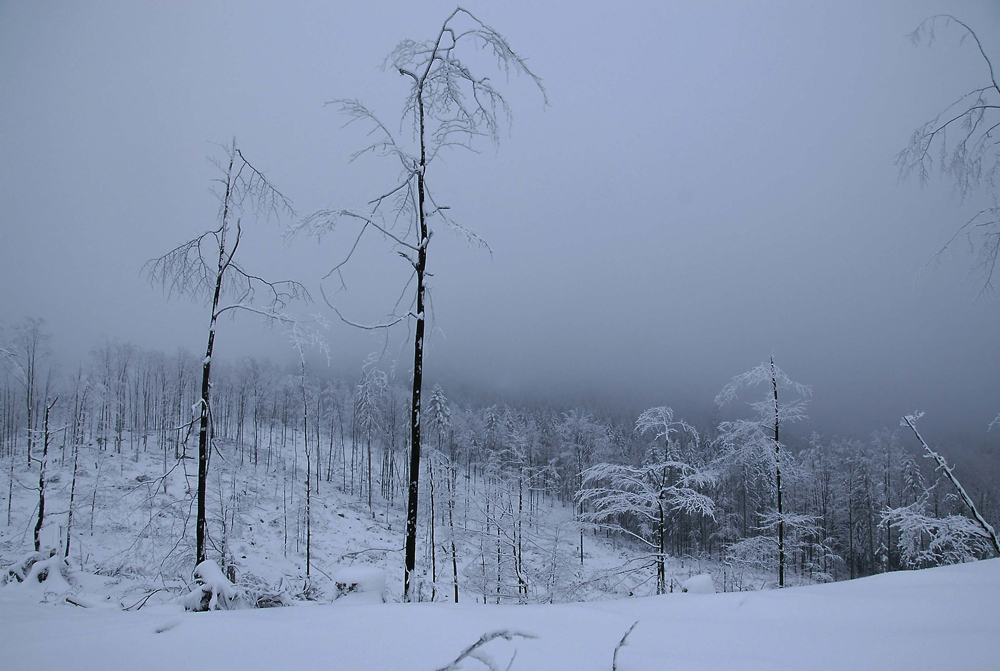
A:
129, 552
943, 618
134, 526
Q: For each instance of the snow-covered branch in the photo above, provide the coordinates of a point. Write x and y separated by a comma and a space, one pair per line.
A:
942, 466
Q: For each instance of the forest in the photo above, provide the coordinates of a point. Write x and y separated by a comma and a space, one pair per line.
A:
112, 450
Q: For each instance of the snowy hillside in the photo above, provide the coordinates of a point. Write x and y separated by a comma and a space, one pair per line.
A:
132, 536
939, 618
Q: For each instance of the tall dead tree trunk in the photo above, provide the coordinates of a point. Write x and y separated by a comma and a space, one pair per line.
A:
41, 473
185, 270
449, 107
777, 464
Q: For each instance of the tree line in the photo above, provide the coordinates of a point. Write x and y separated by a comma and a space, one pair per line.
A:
658, 486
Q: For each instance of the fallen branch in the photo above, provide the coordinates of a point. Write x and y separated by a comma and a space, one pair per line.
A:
473, 650
141, 602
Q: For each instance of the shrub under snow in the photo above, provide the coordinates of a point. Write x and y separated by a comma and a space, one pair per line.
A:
213, 590
46, 571
362, 583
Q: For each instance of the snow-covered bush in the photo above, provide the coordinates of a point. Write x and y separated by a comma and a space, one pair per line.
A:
213, 590
925, 540
751, 557
259, 594
362, 583
18, 570
46, 571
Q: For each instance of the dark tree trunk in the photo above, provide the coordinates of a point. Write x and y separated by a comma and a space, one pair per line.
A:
432, 541
418, 360
777, 462
204, 437
41, 476
305, 447
451, 525
76, 460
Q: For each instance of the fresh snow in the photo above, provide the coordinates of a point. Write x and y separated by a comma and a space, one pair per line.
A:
360, 584
698, 584
942, 618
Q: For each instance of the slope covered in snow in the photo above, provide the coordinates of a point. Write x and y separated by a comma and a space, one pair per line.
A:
941, 618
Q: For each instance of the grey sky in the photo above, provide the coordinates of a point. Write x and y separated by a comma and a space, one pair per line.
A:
712, 182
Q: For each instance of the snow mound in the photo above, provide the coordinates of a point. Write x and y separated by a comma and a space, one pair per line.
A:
360, 584
45, 572
213, 591
698, 584
18, 570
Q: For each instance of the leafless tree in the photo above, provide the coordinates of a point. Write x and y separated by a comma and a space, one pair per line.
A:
652, 493
206, 268
369, 395
22, 356
961, 143
301, 338
757, 441
447, 107
76, 433
42, 464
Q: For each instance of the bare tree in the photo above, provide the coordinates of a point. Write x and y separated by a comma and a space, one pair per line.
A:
447, 106
584, 441
960, 141
206, 268
660, 422
440, 417
757, 441
300, 338
42, 463
22, 356
369, 395
76, 432
648, 495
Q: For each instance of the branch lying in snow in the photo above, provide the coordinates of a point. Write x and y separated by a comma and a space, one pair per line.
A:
351, 555
621, 644
473, 650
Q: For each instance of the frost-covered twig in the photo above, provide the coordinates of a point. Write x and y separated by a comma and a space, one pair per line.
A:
960, 142
621, 644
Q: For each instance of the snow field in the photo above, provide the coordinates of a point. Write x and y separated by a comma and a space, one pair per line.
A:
932, 619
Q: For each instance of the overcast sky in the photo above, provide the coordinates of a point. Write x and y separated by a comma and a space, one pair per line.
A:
711, 183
